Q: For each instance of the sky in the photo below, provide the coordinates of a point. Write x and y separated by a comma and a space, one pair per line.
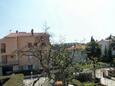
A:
69, 20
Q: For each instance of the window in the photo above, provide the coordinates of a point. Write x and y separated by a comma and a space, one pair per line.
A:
3, 48
29, 45
43, 44
20, 68
30, 67
4, 59
15, 68
113, 48
12, 57
35, 44
42, 38
25, 67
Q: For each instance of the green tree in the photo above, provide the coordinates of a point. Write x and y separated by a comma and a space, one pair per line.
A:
93, 53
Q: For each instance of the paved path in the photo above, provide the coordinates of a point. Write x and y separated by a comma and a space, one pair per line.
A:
28, 82
43, 81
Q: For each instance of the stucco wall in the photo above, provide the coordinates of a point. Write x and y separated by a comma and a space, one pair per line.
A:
20, 43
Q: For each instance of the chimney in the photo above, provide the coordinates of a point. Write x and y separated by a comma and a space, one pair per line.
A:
16, 31
32, 32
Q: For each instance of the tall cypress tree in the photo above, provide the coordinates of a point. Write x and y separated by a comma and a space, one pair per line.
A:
93, 52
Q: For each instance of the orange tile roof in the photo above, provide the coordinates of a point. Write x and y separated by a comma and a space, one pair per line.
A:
19, 34
77, 47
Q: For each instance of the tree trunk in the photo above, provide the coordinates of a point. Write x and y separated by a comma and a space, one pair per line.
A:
35, 82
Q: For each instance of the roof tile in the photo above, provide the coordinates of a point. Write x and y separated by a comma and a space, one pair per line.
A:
19, 34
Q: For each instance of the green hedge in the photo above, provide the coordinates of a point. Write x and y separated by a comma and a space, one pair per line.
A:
15, 80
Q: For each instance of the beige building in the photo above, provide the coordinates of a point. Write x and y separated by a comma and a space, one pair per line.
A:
13, 43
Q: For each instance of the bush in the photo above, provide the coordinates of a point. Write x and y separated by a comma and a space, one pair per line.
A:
76, 82
15, 80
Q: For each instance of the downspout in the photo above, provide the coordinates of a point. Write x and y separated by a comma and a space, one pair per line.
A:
0, 63
17, 48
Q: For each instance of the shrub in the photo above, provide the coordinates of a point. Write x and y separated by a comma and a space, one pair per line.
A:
15, 80
76, 82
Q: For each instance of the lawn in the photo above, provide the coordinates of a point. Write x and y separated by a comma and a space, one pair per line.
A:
15, 80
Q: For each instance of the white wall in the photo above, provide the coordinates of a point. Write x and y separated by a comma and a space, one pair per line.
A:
103, 44
107, 82
103, 80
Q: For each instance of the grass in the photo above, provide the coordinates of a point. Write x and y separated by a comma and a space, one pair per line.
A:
89, 84
15, 80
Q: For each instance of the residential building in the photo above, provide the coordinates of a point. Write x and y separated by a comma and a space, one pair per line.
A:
10, 46
106, 45
79, 52
78, 49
